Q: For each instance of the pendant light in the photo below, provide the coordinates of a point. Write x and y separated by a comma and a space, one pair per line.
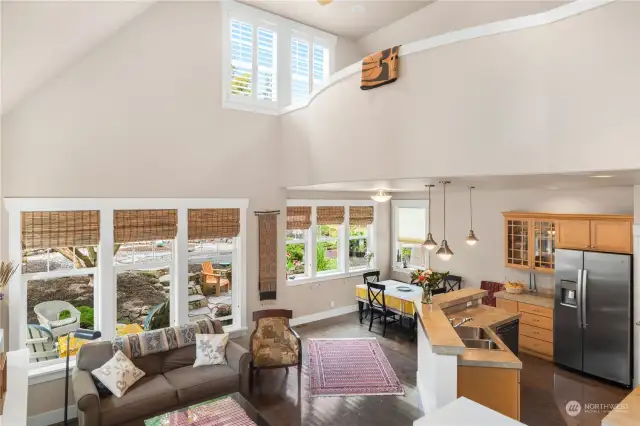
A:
430, 243
471, 238
444, 252
381, 196
429, 270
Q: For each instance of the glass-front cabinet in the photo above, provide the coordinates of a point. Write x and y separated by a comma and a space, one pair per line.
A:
530, 242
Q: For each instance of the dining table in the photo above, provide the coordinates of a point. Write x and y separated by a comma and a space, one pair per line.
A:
398, 297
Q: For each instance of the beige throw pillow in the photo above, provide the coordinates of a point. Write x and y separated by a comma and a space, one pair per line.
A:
118, 374
210, 349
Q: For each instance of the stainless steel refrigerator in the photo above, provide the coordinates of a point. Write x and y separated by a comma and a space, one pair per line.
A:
593, 314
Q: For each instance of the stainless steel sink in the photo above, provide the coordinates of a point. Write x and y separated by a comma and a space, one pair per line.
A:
481, 344
472, 333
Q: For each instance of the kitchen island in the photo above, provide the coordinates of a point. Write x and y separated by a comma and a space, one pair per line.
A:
449, 368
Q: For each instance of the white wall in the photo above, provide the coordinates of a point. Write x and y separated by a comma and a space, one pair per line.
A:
140, 116
485, 261
443, 16
536, 101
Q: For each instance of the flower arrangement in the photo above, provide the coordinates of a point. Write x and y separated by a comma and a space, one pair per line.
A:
368, 256
428, 280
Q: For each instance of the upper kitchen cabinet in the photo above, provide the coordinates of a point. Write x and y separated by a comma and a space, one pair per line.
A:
573, 234
606, 233
532, 238
529, 241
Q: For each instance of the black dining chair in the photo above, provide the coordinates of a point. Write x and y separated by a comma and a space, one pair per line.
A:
440, 290
450, 282
378, 306
371, 277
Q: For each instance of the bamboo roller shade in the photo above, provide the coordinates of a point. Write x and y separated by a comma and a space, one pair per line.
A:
330, 215
42, 230
213, 223
361, 215
298, 217
144, 225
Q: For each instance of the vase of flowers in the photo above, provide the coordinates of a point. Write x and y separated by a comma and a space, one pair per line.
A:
429, 280
368, 256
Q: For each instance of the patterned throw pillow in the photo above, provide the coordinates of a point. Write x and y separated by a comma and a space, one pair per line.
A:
210, 349
118, 374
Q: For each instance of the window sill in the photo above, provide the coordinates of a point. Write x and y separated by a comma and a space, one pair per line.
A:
406, 270
42, 374
329, 277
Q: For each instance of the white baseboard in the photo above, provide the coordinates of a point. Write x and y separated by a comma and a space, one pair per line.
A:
324, 315
52, 417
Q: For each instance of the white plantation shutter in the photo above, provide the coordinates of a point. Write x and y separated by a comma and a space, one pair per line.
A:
267, 64
320, 65
299, 71
241, 58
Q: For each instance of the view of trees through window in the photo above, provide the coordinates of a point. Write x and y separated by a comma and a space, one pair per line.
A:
358, 247
327, 248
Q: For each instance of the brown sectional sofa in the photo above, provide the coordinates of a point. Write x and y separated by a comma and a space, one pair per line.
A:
170, 382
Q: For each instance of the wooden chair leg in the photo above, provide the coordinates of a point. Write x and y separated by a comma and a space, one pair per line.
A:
251, 377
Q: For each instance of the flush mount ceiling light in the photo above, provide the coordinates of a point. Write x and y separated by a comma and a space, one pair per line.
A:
601, 176
430, 243
381, 196
471, 238
444, 252
324, 2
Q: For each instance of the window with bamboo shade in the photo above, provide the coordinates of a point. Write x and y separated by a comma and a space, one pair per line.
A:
213, 223
55, 240
298, 224
329, 221
360, 221
144, 225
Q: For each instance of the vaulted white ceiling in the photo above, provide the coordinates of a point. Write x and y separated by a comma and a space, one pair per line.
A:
346, 18
40, 39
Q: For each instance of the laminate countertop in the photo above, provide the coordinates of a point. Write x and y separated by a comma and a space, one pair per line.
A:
539, 299
627, 413
466, 303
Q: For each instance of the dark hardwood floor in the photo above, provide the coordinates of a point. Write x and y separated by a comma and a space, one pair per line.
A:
545, 388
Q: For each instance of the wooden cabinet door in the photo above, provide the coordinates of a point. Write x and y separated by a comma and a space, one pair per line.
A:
507, 305
611, 235
544, 245
573, 234
517, 243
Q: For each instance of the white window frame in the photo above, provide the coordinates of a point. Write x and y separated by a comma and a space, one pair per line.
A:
397, 245
285, 29
307, 255
343, 239
206, 254
105, 294
368, 237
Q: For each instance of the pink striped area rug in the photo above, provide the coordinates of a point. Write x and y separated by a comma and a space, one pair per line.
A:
346, 367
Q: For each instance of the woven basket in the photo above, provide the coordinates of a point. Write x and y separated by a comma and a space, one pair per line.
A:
513, 290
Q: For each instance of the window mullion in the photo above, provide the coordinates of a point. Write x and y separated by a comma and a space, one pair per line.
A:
284, 66
179, 294
313, 246
254, 61
344, 240
105, 286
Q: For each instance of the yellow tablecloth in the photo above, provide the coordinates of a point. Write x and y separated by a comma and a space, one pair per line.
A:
75, 344
396, 301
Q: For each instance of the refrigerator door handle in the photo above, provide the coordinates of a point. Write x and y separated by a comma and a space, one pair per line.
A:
579, 298
583, 302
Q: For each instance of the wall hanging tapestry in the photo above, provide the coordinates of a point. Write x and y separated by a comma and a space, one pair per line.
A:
268, 246
380, 68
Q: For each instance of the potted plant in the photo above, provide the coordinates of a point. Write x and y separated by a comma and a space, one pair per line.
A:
429, 280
